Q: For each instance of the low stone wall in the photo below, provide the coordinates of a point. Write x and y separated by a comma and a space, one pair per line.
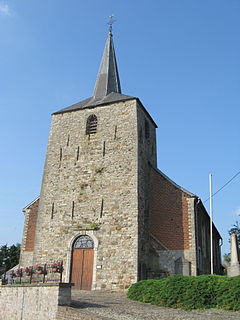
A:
38, 302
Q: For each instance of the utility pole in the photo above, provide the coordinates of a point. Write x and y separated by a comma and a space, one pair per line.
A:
211, 221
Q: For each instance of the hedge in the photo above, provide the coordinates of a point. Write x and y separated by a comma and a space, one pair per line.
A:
188, 292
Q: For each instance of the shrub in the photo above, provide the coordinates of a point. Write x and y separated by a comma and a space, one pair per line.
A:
186, 292
173, 292
144, 290
202, 292
228, 296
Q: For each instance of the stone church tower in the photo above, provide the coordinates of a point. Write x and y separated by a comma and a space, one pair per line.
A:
103, 201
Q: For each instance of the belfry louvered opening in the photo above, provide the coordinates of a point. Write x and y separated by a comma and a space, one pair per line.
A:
91, 126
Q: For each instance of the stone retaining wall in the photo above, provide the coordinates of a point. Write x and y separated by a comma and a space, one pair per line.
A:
38, 302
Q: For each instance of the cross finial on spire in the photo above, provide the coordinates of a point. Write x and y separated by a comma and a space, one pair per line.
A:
108, 78
111, 22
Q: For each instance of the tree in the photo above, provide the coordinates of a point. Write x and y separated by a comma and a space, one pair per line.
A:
9, 257
235, 229
226, 259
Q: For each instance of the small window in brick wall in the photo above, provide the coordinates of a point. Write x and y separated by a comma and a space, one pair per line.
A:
91, 126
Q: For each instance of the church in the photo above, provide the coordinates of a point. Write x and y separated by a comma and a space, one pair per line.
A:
105, 209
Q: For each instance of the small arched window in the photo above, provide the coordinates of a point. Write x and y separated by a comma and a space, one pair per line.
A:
91, 126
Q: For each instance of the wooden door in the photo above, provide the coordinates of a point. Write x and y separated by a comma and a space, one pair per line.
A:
82, 268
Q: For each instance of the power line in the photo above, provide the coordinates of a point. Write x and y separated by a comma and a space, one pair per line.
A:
224, 185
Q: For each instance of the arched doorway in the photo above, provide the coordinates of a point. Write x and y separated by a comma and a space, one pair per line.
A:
82, 263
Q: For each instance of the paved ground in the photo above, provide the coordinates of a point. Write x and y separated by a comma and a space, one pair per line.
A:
111, 306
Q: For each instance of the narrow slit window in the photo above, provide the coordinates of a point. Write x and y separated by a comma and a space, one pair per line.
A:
52, 213
60, 154
73, 207
115, 133
78, 150
91, 126
101, 211
146, 129
68, 138
140, 136
104, 148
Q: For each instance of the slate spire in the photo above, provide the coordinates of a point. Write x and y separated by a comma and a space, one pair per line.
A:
108, 78
107, 88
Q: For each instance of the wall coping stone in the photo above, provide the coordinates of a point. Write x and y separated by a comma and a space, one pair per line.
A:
60, 285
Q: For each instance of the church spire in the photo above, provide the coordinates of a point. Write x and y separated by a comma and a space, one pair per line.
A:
108, 78
107, 88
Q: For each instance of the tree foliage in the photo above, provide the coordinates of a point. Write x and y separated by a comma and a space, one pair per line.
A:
9, 256
236, 229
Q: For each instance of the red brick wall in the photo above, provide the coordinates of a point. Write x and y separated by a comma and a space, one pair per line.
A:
169, 220
30, 227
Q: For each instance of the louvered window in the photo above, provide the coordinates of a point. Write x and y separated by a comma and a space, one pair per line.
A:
91, 126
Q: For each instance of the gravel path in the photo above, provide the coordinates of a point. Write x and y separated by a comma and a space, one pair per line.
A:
111, 306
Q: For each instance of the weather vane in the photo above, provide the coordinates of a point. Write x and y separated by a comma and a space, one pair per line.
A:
111, 22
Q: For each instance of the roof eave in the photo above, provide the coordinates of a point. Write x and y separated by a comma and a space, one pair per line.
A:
24, 209
94, 105
146, 112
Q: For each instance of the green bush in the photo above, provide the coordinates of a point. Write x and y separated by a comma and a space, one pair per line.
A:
228, 296
202, 292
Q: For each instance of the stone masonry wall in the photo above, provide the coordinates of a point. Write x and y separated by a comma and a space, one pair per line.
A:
29, 233
38, 302
146, 158
92, 179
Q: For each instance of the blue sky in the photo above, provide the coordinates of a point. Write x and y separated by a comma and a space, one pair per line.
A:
180, 57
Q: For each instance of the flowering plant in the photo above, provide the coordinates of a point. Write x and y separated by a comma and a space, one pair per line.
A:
57, 267
18, 272
38, 269
28, 271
